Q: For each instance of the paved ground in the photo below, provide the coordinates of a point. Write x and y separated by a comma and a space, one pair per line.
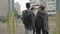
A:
19, 29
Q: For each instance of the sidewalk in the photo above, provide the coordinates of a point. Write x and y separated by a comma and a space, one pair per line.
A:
20, 28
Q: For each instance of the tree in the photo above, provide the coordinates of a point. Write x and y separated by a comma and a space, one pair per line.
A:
16, 14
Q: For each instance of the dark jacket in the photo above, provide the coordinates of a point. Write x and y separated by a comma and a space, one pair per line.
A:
41, 19
27, 17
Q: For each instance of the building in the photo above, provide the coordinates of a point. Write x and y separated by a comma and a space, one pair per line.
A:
49, 4
17, 6
58, 5
35, 3
3, 7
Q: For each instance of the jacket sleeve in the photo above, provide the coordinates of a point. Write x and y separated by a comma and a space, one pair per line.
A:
47, 17
33, 19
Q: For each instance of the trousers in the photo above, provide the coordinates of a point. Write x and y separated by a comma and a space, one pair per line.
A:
41, 30
27, 31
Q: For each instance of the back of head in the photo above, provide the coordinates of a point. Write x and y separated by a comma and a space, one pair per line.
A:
42, 6
28, 5
32, 8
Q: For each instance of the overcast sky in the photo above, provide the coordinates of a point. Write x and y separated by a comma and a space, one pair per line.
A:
22, 3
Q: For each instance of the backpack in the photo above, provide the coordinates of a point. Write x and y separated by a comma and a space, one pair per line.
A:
27, 18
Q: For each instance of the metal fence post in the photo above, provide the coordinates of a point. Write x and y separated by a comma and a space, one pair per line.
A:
57, 16
11, 17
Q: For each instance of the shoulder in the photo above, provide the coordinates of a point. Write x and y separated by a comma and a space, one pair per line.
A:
24, 11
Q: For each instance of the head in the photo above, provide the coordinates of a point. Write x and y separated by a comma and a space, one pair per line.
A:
42, 7
27, 5
33, 9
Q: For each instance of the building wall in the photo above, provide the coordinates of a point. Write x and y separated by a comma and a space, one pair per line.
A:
58, 5
35, 3
3, 7
51, 5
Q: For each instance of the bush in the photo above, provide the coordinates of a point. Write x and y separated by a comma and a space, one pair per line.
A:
18, 16
3, 19
54, 31
50, 15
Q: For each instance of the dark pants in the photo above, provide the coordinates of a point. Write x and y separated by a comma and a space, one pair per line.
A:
38, 30
46, 32
34, 31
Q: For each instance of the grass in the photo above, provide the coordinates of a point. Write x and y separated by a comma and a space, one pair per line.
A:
54, 31
52, 19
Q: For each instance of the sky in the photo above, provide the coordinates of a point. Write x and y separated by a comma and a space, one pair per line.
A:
22, 3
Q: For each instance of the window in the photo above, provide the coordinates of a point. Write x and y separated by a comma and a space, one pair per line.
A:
30, 0
41, 0
53, 0
53, 3
48, 0
36, 5
49, 3
33, 5
49, 11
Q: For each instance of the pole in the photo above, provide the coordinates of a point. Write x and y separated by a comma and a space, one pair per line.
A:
57, 16
11, 17
9, 14
57, 22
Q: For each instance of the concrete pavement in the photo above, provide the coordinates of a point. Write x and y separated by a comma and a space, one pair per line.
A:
20, 28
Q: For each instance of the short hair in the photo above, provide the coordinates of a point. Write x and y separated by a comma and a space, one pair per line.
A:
32, 8
27, 5
42, 6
